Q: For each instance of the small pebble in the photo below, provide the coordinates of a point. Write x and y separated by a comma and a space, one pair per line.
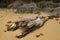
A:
4, 30
56, 19
37, 35
1, 16
6, 25
9, 22
41, 34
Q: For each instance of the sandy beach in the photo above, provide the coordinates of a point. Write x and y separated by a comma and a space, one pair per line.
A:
50, 30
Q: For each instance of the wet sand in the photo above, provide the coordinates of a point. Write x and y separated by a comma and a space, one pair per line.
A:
50, 30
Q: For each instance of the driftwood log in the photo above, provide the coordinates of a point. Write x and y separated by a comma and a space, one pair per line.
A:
29, 25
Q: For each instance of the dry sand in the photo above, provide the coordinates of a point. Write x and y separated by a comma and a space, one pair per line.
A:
50, 30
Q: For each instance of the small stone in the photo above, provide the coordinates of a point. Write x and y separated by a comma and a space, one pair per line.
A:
4, 30
6, 25
9, 22
1, 16
41, 34
37, 35
56, 19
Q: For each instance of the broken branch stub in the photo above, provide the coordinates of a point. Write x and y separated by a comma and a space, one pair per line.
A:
29, 25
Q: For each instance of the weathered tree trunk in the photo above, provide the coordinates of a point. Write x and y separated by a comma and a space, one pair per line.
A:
4, 3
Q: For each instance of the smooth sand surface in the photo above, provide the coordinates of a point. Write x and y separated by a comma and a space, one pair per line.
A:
50, 30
